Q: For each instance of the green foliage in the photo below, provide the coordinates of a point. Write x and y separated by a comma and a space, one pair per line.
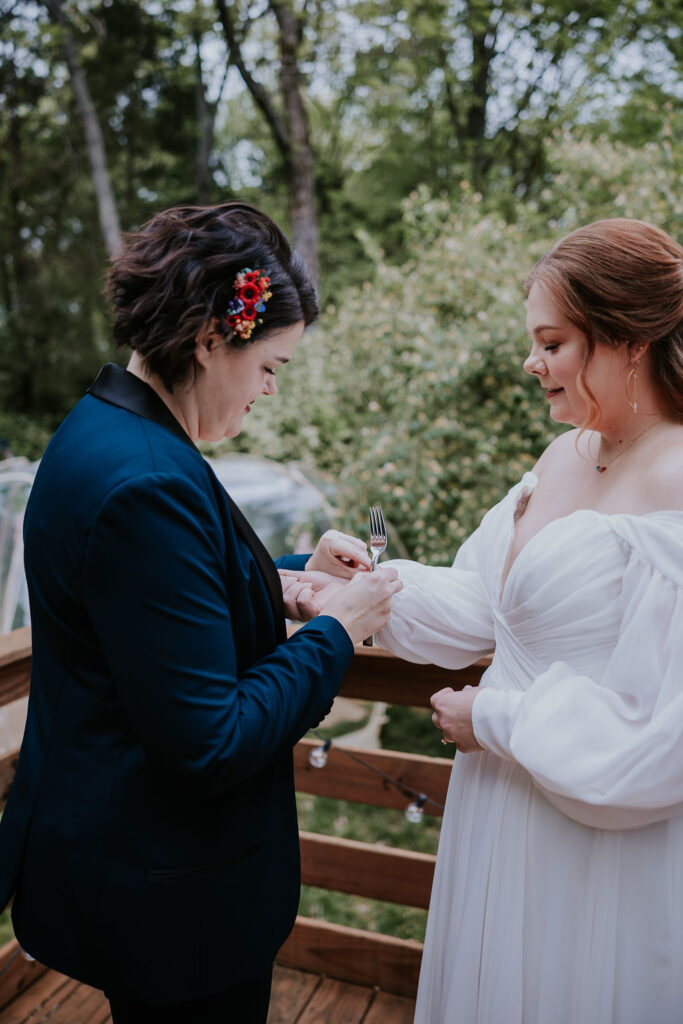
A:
22, 435
411, 391
412, 730
6, 929
139, 66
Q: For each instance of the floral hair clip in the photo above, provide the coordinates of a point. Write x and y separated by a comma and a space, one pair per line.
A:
252, 291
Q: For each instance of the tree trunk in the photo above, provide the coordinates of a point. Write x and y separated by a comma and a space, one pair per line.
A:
290, 131
483, 50
205, 128
106, 204
301, 177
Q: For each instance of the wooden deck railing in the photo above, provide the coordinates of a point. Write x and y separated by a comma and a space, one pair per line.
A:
396, 875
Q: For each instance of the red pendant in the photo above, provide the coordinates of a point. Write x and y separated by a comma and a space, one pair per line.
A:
601, 469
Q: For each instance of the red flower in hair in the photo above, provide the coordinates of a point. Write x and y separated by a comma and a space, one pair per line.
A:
249, 293
251, 288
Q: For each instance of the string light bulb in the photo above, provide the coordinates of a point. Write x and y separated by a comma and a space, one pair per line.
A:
318, 759
415, 811
318, 756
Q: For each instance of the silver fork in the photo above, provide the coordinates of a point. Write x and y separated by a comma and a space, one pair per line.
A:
378, 543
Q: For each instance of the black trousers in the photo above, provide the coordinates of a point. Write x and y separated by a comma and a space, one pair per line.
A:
246, 1003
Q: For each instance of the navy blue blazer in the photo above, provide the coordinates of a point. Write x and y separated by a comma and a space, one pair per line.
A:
150, 837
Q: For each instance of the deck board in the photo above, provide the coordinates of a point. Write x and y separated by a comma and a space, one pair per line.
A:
337, 1002
36, 996
389, 1008
79, 1004
292, 991
299, 997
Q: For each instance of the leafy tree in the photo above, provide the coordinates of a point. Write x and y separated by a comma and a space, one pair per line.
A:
48, 232
452, 90
411, 392
142, 73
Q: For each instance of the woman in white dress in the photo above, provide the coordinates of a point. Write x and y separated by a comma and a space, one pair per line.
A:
558, 894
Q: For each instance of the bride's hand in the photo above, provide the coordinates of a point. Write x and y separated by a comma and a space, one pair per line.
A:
339, 554
453, 715
306, 593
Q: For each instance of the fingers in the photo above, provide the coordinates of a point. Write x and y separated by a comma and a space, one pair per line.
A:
315, 579
453, 716
434, 699
344, 545
287, 585
340, 553
385, 580
356, 560
307, 604
389, 579
300, 601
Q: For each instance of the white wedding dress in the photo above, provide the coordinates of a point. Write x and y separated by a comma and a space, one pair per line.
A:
558, 893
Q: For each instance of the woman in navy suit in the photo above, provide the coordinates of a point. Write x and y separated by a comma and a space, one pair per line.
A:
150, 838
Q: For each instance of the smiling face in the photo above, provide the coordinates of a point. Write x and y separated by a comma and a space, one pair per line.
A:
556, 359
229, 380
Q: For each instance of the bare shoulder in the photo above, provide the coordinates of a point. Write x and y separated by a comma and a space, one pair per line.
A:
663, 476
561, 452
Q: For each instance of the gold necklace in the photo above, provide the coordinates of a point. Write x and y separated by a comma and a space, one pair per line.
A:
602, 467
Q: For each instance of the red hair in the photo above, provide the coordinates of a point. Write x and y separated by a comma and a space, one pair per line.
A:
621, 282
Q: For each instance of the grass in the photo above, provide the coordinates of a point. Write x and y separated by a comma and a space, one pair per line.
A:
411, 730
6, 929
369, 915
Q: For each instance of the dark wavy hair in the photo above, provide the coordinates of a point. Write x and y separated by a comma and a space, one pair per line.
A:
174, 276
621, 282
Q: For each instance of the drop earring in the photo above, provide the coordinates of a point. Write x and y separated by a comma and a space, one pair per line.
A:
633, 379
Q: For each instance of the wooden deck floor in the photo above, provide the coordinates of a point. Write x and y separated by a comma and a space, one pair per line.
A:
298, 998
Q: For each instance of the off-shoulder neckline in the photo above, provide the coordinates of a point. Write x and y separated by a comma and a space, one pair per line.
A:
594, 511
524, 486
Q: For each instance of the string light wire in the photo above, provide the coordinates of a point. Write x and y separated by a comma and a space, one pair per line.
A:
420, 798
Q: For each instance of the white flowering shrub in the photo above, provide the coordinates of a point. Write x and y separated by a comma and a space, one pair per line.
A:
410, 392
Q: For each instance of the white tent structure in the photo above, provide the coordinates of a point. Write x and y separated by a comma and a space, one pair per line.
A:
16, 480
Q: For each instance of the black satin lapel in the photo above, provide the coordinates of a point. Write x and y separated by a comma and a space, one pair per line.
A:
117, 386
265, 564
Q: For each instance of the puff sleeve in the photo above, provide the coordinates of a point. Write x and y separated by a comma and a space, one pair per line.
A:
607, 751
443, 615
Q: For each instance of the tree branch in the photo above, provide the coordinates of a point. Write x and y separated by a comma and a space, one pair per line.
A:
261, 98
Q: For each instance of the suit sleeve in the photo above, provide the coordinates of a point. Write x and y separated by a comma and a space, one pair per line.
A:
295, 562
157, 593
